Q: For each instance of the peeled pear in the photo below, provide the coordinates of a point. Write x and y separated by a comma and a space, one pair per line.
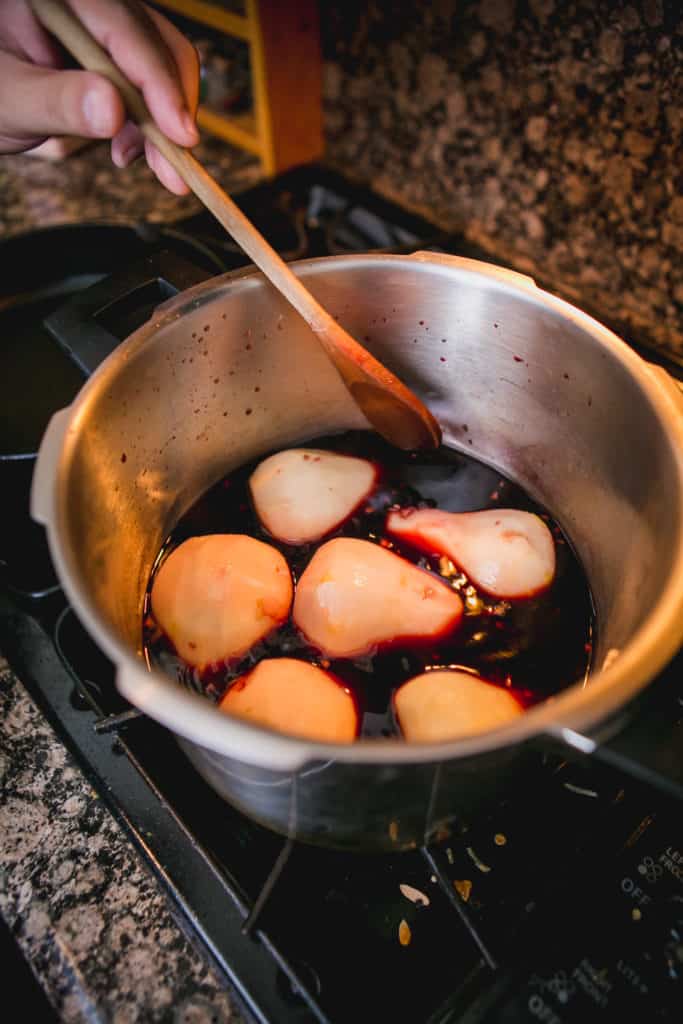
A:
303, 493
355, 596
506, 552
448, 704
294, 697
218, 595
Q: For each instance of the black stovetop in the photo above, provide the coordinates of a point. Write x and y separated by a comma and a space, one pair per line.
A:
561, 903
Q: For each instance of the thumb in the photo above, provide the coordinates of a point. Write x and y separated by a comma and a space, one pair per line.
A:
47, 102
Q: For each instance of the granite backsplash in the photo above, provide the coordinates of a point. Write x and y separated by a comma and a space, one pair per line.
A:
551, 133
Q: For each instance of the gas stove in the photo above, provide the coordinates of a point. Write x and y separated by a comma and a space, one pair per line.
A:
563, 902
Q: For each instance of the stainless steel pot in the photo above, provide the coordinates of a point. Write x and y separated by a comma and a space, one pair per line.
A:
524, 381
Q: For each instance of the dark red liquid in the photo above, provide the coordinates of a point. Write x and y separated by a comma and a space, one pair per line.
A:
533, 647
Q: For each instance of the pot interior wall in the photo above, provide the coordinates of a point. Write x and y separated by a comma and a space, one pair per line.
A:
234, 372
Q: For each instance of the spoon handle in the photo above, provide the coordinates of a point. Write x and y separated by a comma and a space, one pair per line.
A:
66, 27
388, 404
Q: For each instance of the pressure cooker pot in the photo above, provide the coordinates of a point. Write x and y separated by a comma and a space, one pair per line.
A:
521, 380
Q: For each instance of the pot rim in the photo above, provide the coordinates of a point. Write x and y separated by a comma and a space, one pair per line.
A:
566, 715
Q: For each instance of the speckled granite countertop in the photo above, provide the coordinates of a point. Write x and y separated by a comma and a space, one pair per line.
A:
95, 925
86, 186
550, 132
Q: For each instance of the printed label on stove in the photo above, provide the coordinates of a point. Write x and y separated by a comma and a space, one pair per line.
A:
559, 985
651, 869
541, 1011
633, 890
593, 981
656, 874
632, 977
672, 860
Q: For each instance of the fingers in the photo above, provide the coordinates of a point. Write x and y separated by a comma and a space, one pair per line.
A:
164, 172
157, 58
48, 102
185, 56
150, 51
154, 56
128, 145
23, 35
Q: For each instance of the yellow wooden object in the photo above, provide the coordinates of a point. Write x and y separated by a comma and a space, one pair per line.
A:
285, 127
240, 129
211, 14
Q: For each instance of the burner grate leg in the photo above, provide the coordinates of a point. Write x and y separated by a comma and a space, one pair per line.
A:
277, 868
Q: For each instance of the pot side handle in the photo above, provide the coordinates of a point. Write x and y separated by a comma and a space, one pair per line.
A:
45, 472
643, 741
480, 266
194, 718
673, 387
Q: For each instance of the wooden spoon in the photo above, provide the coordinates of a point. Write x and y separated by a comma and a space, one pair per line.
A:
392, 409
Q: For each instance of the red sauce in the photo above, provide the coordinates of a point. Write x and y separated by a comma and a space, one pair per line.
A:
533, 647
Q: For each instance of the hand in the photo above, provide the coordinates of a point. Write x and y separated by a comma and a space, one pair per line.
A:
38, 99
